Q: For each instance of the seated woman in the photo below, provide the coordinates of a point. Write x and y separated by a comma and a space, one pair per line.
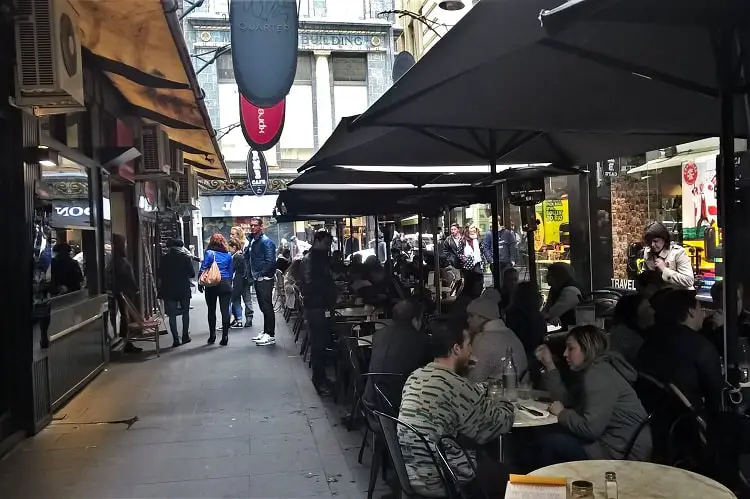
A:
291, 278
524, 318
600, 413
564, 295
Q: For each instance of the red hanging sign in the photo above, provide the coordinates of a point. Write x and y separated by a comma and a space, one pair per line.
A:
262, 126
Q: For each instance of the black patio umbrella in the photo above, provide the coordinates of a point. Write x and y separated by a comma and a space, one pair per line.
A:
712, 66
360, 177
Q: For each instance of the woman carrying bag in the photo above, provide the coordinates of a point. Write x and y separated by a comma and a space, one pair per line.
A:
216, 274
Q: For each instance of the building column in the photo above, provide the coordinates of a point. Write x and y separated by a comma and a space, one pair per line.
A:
323, 95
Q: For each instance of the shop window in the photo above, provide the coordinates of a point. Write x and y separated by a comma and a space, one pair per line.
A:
304, 68
66, 233
349, 68
224, 68
279, 233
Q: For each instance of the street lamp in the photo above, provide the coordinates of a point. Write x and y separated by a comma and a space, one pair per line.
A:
451, 5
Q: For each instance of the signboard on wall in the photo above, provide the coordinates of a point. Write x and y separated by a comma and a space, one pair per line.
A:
257, 172
261, 126
264, 48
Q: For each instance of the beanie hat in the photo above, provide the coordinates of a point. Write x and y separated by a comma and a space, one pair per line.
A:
492, 294
484, 307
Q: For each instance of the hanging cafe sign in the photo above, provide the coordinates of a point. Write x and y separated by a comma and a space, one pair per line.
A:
264, 48
257, 172
261, 126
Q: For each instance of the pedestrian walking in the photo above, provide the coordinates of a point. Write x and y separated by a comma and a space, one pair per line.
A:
247, 287
261, 254
320, 294
507, 245
238, 282
175, 271
217, 252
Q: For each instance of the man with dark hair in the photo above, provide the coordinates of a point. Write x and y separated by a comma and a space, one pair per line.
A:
438, 400
507, 245
261, 257
319, 290
675, 352
452, 247
649, 282
175, 271
400, 349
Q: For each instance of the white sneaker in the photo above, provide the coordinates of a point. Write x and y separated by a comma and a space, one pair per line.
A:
266, 340
257, 337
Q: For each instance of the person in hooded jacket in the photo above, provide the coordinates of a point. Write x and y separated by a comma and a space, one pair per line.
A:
491, 339
667, 258
599, 413
175, 271
564, 295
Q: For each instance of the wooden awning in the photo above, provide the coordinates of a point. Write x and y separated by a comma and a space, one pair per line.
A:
139, 45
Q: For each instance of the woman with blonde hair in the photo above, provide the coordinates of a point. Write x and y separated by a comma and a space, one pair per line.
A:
471, 257
243, 287
599, 413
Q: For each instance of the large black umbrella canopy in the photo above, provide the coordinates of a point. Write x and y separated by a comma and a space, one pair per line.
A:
540, 84
359, 177
430, 201
467, 147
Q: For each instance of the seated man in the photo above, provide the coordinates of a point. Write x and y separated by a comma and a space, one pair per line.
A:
677, 353
438, 400
399, 348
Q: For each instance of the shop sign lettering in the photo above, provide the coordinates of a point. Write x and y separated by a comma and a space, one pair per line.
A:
73, 211
554, 211
333, 42
623, 284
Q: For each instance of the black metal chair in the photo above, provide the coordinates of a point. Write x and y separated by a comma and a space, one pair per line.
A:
459, 488
352, 347
389, 426
368, 427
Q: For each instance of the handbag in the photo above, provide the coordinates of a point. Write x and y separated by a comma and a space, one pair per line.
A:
211, 276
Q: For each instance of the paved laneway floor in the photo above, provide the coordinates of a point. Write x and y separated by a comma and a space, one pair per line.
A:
214, 422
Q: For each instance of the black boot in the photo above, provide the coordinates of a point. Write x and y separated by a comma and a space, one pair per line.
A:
175, 340
212, 338
224, 339
186, 338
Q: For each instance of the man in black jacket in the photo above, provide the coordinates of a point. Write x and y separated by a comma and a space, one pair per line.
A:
675, 352
399, 348
175, 271
452, 247
319, 290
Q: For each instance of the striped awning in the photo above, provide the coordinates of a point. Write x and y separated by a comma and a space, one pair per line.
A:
139, 45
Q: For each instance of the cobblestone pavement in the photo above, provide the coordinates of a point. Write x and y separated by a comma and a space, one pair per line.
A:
214, 422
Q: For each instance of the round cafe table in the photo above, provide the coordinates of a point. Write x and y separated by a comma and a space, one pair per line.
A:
637, 480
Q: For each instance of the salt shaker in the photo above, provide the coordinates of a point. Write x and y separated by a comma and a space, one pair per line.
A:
610, 484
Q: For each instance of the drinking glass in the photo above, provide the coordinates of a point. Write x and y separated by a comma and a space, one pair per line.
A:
524, 390
495, 390
582, 489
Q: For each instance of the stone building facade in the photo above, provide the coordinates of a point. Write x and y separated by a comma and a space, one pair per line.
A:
629, 214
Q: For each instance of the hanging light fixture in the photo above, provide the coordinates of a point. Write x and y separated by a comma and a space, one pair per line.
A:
451, 5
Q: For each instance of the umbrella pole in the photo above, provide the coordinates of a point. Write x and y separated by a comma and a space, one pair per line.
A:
437, 280
728, 196
351, 236
421, 256
494, 207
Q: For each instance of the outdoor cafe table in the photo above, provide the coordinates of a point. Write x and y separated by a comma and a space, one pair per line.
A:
524, 420
638, 480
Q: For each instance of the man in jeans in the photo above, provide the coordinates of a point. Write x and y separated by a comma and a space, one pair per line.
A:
261, 253
508, 246
320, 294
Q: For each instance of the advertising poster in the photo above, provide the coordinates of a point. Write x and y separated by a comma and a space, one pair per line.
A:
700, 232
553, 229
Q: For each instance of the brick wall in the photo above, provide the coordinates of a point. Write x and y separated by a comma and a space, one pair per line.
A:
629, 217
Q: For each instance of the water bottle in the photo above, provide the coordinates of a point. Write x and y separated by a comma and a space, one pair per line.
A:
510, 376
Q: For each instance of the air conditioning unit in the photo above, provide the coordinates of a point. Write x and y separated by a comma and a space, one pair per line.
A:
177, 163
188, 188
49, 72
155, 153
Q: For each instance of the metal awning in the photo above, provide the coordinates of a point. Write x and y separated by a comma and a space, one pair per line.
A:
139, 45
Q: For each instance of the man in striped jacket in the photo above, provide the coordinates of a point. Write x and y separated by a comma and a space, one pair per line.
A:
438, 400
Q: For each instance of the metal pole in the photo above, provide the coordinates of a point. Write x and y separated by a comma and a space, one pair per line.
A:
351, 235
421, 256
438, 281
495, 214
728, 197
